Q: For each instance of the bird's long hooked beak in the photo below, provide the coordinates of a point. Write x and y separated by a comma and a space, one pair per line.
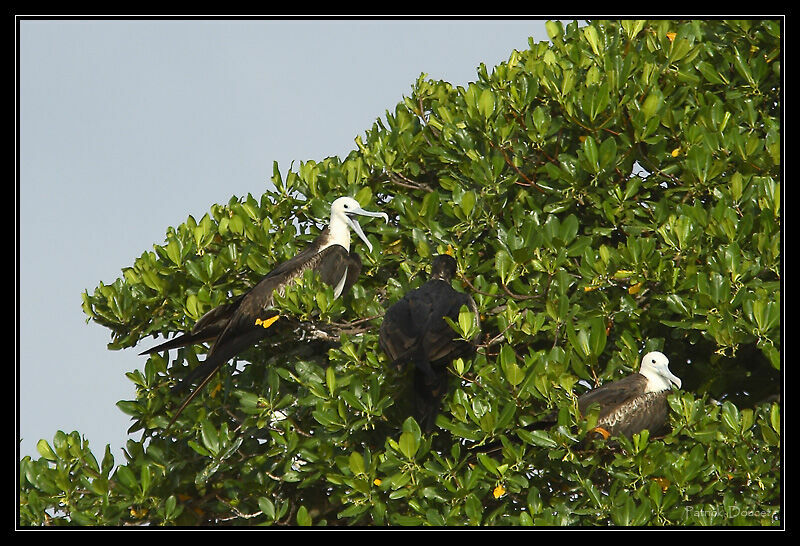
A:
667, 374
353, 223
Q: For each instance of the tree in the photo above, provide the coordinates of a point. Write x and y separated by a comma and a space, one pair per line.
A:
612, 191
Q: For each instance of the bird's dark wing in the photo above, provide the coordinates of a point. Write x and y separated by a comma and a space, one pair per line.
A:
334, 262
181, 341
237, 317
416, 323
299, 262
254, 314
414, 331
353, 271
210, 325
646, 411
207, 328
439, 339
402, 327
610, 396
606, 398
246, 327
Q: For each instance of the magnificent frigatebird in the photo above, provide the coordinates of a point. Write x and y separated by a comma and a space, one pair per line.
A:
241, 323
631, 404
414, 331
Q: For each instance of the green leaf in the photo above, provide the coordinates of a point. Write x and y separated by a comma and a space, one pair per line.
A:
508, 363
330, 380
710, 73
775, 418
632, 27
486, 103
126, 477
408, 445
468, 203
730, 416
357, 463
267, 507
145, 478
45, 450
590, 151
503, 263
554, 29
210, 437
592, 36
607, 155
597, 336
766, 315
537, 437
303, 519
652, 104
679, 49
174, 252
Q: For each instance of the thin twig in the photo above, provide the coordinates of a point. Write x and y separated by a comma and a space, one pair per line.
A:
476, 291
510, 163
519, 296
407, 182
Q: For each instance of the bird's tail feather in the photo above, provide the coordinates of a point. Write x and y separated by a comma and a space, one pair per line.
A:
180, 341
218, 356
429, 388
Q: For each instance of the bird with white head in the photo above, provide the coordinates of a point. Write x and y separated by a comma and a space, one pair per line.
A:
241, 323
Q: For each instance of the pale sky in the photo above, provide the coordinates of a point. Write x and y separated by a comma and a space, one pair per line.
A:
128, 127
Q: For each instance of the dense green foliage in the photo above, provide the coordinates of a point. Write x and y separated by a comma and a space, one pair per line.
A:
612, 191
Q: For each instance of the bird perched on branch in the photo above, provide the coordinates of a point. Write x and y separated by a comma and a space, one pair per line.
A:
241, 323
631, 404
414, 331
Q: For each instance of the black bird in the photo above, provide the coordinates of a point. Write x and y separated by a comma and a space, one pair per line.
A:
414, 331
241, 323
631, 404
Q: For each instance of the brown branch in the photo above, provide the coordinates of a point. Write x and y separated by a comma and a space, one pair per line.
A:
496, 339
476, 291
332, 330
518, 296
508, 161
356, 322
396, 178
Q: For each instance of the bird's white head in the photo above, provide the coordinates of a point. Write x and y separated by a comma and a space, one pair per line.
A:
655, 367
343, 211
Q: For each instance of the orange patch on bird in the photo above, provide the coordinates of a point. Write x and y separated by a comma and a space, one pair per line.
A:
602, 432
267, 322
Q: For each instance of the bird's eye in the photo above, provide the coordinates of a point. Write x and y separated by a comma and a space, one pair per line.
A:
653, 360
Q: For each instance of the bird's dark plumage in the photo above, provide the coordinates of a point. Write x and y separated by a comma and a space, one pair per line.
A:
624, 408
631, 404
414, 331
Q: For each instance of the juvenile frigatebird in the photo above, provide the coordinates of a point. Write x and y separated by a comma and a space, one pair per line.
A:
631, 404
241, 323
414, 331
